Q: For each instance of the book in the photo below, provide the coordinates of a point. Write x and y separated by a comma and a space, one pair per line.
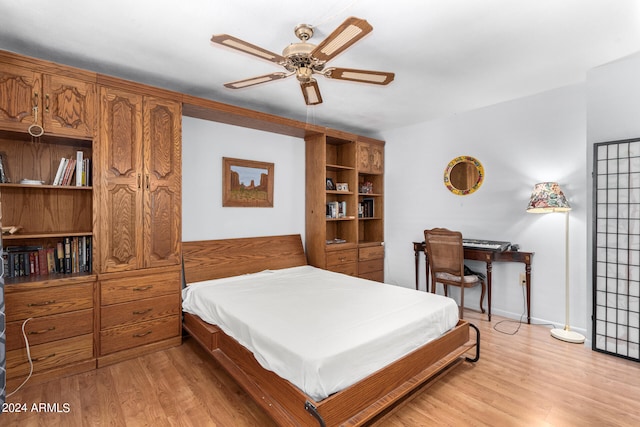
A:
3, 171
69, 172
79, 167
61, 168
68, 267
86, 172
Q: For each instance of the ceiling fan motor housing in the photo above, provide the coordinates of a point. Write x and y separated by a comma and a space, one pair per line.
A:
298, 56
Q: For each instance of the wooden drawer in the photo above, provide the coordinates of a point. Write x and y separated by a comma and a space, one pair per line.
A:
341, 257
49, 355
370, 266
50, 328
139, 311
370, 252
124, 337
43, 302
347, 268
114, 291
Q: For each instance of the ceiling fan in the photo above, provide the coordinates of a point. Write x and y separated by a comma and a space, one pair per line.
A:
304, 59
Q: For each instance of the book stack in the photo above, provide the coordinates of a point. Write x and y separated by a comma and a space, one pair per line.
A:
365, 208
336, 209
74, 171
70, 255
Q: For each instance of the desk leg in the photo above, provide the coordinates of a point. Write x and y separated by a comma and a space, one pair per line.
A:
489, 268
528, 283
417, 257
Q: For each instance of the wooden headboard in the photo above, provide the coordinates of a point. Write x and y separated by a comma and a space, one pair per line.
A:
213, 259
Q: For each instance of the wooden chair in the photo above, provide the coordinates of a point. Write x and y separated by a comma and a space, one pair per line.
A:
445, 253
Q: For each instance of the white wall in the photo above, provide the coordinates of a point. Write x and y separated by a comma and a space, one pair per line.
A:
613, 113
204, 144
519, 143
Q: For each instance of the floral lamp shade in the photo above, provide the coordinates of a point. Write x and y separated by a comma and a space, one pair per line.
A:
548, 197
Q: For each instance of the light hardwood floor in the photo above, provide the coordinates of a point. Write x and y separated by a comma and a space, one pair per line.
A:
525, 379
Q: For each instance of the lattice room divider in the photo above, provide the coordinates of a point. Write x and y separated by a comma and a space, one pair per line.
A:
3, 326
616, 248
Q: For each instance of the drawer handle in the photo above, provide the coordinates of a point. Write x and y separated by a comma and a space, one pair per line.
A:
41, 304
40, 359
142, 311
144, 334
42, 331
343, 259
143, 288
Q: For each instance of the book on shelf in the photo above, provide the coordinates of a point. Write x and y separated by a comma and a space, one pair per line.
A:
70, 255
337, 209
366, 208
4, 176
73, 171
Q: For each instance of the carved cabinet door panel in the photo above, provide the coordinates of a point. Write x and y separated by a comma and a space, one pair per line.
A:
370, 158
19, 93
68, 106
162, 182
119, 178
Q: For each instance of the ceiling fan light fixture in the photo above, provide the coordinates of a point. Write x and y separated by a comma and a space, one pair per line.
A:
303, 74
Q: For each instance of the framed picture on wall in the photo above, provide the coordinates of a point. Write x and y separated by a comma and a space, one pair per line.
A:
247, 183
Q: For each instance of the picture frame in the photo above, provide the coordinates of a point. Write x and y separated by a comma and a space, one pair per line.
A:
330, 184
247, 183
342, 186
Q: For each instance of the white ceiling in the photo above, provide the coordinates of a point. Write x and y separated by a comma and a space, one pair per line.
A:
449, 56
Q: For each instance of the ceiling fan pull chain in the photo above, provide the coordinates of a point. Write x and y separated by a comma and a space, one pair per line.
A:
35, 129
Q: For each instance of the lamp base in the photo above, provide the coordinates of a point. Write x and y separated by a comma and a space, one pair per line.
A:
568, 336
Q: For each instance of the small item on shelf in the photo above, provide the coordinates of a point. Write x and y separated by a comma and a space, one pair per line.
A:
336, 241
330, 184
11, 229
31, 182
342, 186
366, 187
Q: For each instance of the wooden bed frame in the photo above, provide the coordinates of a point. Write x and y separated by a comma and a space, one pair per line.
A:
356, 405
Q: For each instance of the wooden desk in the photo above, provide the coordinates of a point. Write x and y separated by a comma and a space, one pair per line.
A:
488, 256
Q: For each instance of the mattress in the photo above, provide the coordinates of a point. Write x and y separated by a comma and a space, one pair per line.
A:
322, 331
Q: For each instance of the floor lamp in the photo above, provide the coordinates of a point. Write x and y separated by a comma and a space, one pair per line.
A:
548, 197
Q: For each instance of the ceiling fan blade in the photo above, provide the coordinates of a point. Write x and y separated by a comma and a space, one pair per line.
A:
243, 46
239, 84
362, 76
311, 92
351, 30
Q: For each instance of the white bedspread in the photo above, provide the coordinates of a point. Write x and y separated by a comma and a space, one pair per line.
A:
322, 331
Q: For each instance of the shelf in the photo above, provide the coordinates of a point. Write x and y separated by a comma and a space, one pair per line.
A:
47, 138
47, 187
26, 236
338, 168
346, 218
57, 279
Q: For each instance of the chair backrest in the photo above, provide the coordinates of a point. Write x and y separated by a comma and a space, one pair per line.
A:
444, 251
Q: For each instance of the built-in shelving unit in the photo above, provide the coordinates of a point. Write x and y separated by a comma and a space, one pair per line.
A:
350, 242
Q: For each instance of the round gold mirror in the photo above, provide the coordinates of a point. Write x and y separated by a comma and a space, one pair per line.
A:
463, 175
